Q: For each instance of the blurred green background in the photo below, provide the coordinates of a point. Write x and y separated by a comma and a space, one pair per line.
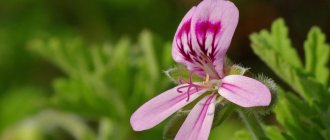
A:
78, 69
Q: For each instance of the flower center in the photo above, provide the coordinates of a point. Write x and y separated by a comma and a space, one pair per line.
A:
193, 88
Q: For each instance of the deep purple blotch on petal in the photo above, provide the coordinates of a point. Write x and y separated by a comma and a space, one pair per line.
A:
204, 35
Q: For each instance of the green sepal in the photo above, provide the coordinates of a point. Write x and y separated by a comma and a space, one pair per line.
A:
236, 70
174, 74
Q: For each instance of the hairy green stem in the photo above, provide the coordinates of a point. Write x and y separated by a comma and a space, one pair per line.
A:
253, 125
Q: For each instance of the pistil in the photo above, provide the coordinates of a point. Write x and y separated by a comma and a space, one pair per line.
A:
191, 85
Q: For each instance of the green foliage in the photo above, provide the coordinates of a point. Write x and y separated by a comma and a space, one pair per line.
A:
106, 83
300, 112
243, 135
271, 132
19, 103
281, 62
46, 123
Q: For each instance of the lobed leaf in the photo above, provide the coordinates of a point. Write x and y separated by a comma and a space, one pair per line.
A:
317, 55
275, 50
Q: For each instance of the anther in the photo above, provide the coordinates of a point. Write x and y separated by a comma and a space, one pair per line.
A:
207, 78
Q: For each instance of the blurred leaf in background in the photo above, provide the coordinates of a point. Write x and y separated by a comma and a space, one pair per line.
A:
50, 124
106, 82
303, 105
19, 103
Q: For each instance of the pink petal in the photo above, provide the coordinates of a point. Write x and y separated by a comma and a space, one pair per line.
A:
244, 91
204, 36
182, 51
213, 26
198, 124
162, 106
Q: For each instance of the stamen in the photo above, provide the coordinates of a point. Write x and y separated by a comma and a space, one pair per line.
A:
190, 86
207, 78
181, 80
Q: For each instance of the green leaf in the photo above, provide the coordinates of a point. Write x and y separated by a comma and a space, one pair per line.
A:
109, 80
148, 62
243, 135
46, 125
253, 124
69, 56
119, 66
295, 114
278, 41
167, 60
317, 55
146, 42
326, 121
299, 115
18, 103
88, 98
275, 50
274, 133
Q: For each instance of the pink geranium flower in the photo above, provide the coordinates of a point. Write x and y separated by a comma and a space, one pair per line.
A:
200, 43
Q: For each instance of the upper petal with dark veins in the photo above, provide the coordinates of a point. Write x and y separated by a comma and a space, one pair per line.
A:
204, 35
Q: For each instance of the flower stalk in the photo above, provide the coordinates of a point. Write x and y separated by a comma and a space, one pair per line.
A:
253, 125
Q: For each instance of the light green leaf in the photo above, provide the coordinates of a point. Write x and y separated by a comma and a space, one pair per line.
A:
146, 43
278, 41
253, 124
119, 67
149, 61
18, 103
45, 124
317, 55
274, 133
243, 135
275, 50
299, 115
88, 98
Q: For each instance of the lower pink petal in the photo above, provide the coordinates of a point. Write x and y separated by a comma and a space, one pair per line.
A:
244, 91
162, 106
197, 125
